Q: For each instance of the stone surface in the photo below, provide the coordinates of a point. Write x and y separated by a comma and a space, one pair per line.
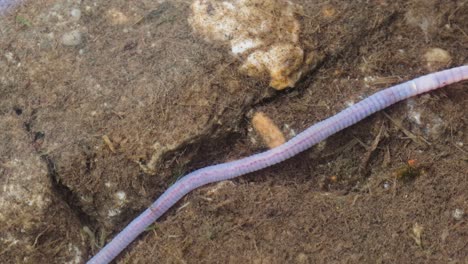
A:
36, 225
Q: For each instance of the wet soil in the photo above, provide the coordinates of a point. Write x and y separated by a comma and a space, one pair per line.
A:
108, 124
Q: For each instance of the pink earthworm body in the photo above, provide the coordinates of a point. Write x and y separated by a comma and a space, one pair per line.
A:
8, 5
299, 143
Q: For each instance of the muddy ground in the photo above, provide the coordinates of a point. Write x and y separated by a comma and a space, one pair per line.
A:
104, 104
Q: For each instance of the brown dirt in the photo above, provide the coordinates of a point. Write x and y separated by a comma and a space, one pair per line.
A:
142, 101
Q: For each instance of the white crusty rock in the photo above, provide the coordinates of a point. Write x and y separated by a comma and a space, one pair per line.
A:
263, 33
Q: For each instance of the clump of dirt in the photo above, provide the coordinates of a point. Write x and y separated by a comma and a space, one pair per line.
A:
122, 98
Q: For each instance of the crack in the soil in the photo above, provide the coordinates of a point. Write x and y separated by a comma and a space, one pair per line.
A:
67, 195
64, 193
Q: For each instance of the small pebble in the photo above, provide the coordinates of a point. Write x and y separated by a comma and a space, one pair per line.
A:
116, 17
266, 128
72, 38
302, 258
386, 185
458, 214
10, 57
75, 13
328, 11
120, 195
291, 132
436, 59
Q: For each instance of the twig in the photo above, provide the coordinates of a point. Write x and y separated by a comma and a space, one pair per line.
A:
417, 139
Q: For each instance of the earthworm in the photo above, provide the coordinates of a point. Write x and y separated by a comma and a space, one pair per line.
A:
6, 5
297, 144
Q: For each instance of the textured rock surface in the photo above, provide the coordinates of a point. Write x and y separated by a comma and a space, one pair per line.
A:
36, 225
265, 33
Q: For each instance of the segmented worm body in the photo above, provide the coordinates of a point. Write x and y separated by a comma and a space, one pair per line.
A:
7, 5
299, 143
